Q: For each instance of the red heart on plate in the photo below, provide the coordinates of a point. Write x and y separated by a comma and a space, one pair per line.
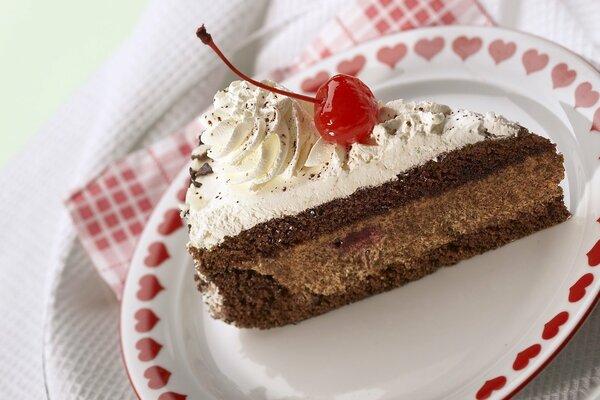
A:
185, 149
392, 55
157, 377
594, 255
181, 194
585, 96
523, 357
149, 349
562, 76
465, 47
313, 84
171, 222
490, 386
596, 121
353, 66
552, 327
429, 48
577, 291
534, 61
172, 396
149, 288
146, 320
157, 254
501, 51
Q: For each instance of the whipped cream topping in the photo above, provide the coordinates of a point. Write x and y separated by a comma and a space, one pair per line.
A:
255, 135
287, 178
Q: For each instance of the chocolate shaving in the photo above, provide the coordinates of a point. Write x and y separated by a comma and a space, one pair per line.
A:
200, 157
205, 169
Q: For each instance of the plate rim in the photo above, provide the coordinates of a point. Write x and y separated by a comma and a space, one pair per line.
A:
596, 299
559, 346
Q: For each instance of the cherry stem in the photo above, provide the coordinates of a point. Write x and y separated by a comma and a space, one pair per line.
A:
206, 38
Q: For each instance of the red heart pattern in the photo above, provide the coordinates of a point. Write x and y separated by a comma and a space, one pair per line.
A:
353, 66
181, 194
392, 55
490, 387
172, 396
148, 349
171, 222
157, 254
523, 357
594, 255
596, 121
146, 320
501, 51
465, 47
534, 61
552, 327
157, 376
149, 287
585, 96
577, 291
562, 76
313, 84
429, 48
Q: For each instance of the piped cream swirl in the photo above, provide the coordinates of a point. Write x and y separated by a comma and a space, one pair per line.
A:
255, 135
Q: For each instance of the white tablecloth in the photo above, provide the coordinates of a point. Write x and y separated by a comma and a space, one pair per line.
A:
59, 335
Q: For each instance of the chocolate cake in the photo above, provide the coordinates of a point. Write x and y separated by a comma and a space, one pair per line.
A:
285, 225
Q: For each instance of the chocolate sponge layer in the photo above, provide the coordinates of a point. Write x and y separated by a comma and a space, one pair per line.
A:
465, 203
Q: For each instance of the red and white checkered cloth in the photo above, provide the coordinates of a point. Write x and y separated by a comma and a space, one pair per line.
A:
110, 211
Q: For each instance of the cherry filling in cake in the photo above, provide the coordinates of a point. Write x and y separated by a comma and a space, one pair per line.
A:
359, 240
293, 213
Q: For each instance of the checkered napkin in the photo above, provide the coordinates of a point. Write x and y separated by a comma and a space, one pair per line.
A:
110, 211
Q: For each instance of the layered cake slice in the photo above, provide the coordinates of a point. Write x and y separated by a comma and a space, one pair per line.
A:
289, 220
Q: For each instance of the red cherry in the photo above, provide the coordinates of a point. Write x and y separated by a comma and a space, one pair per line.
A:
345, 108
346, 111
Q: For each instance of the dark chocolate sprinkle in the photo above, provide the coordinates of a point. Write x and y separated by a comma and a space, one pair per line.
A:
205, 169
199, 157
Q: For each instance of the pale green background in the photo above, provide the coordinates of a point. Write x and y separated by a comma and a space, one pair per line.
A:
47, 49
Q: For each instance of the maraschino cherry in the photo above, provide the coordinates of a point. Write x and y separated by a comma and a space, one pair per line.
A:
345, 108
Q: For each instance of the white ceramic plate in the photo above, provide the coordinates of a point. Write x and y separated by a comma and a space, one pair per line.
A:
480, 329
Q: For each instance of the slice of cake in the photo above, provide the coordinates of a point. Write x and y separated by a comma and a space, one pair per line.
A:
286, 224
299, 204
